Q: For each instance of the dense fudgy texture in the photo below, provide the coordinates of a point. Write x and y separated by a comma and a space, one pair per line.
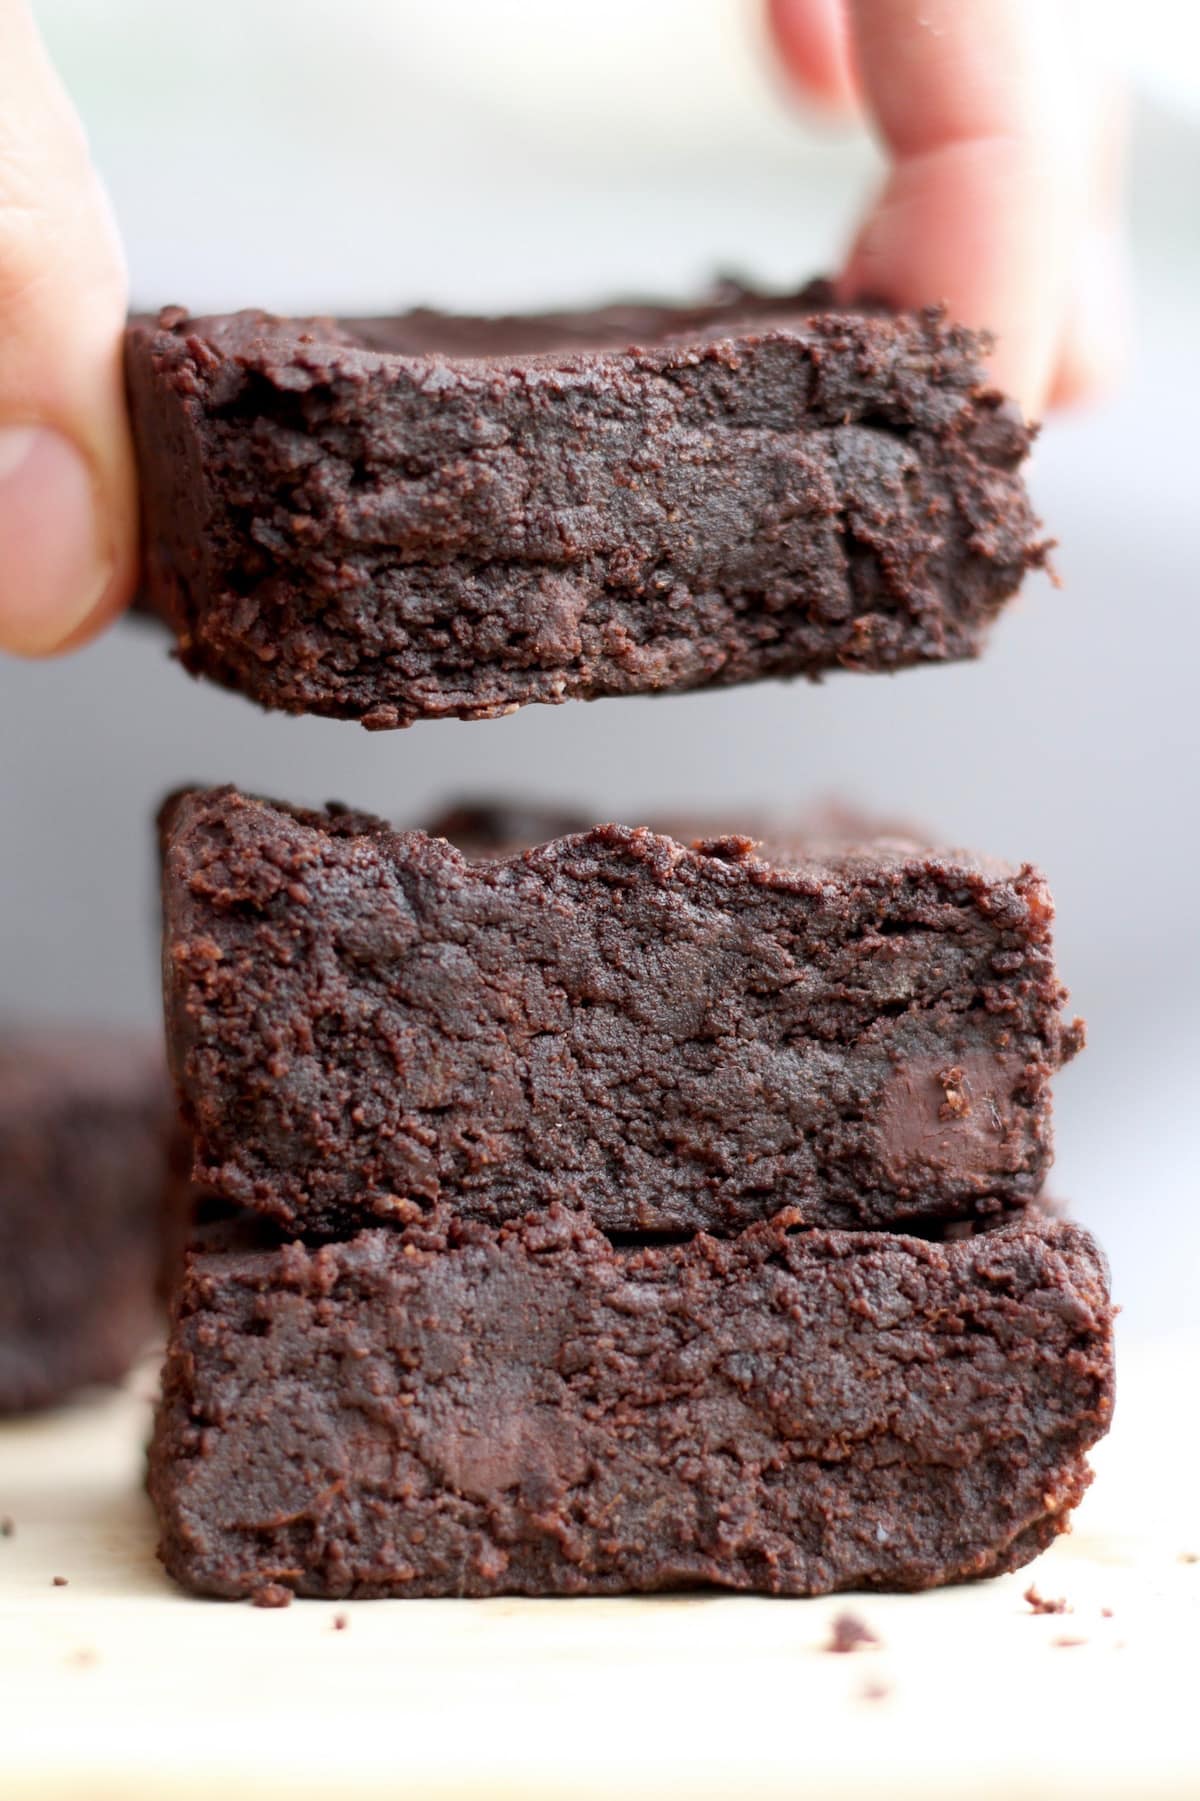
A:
463, 1410
84, 1119
390, 520
362, 1021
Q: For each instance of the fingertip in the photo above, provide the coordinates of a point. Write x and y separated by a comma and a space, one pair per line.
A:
958, 226
63, 570
1093, 349
1081, 382
68, 502
813, 41
114, 601
1022, 369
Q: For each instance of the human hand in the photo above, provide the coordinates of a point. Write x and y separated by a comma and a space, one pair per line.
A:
1003, 136
67, 495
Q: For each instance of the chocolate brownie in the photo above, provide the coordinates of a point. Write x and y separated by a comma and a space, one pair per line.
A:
84, 1119
190, 1214
362, 1021
455, 1409
398, 519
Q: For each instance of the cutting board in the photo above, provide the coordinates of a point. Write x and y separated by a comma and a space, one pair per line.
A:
115, 1685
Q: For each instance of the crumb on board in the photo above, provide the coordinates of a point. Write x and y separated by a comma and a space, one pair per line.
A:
1106, 1613
1063, 1643
271, 1594
7, 1525
1040, 1603
58, 1582
850, 1633
1189, 1557
84, 1659
874, 1691
340, 1622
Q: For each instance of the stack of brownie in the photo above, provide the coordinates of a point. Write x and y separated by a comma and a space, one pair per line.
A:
596, 1210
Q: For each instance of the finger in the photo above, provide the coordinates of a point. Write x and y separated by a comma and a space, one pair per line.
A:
980, 118
67, 497
813, 40
1091, 351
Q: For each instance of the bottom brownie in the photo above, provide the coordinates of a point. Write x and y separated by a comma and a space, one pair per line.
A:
84, 1120
456, 1410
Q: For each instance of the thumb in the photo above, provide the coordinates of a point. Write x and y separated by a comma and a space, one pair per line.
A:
67, 496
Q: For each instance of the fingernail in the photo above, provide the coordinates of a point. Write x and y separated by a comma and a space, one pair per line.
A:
55, 560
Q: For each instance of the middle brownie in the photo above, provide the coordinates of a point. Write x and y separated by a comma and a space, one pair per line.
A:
363, 1022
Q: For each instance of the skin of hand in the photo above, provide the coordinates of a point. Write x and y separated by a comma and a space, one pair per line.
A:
68, 508
1002, 200
1003, 132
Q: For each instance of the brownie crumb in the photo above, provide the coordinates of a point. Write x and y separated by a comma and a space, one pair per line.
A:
955, 1102
58, 1582
1040, 1604
850, 1633
340, 1622
1067, 1644
7, 1525
272, 1594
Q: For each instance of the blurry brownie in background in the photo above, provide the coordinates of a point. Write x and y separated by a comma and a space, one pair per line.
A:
84, 1125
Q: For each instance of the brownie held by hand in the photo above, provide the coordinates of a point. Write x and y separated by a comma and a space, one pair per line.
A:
397, 519
84, 1125
456, 1409
362, 1022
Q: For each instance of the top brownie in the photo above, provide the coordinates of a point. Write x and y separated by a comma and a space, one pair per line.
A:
363, 1022
396, 519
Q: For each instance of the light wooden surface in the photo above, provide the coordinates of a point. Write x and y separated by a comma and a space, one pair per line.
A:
118, 1686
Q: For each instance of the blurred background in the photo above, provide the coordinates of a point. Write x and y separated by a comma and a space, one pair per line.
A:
483, 154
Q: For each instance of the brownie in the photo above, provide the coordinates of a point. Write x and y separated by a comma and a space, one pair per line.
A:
362, 1022
456, 1409
397, 519
84, 1122
189, 1214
